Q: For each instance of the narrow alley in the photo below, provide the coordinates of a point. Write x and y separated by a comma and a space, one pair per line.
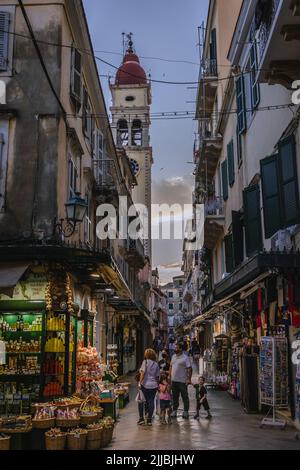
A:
230, 429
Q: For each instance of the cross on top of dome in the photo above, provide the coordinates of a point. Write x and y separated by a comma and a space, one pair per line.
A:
131, 72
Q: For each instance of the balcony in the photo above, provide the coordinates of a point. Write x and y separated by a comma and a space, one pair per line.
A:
133, 253
105, 177
277, 33
209, 151
208, 86
214, 221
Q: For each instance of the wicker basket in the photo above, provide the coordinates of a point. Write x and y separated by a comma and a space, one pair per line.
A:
55, 443
93, 445
77, 443
5, 443
67, 423
95, 434
89, 419
107, 436
46, 423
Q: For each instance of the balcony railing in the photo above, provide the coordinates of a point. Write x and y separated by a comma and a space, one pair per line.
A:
209, 68
214, 206
262, 30
104, 174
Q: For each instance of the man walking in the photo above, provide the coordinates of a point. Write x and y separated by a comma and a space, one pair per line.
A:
181, 376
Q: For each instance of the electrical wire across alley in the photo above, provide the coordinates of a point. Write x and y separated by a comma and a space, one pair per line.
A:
109, 64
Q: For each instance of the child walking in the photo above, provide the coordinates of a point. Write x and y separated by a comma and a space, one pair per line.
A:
201, 397
164, 399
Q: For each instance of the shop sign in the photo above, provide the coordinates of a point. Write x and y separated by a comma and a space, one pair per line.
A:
33, 288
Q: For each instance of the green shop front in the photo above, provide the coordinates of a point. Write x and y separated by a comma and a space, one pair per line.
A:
38, 324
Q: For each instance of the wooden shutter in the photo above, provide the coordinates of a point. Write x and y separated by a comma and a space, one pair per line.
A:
230, 159
213, 52
255, 89
237, 238
271, 195
289, 182
224, 170
76, 75
252, 219
85, 100
228, 242
239, 147
4, 39
241, 104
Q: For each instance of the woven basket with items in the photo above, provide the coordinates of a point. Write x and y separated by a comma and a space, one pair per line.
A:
44, 418
4, 442
76, 439
90, 411
55, 439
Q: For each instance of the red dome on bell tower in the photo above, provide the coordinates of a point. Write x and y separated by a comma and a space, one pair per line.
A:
131, 72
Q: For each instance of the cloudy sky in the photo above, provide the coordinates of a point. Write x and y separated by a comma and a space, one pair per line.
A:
165, 37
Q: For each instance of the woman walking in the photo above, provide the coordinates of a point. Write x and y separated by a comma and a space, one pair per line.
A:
149, 382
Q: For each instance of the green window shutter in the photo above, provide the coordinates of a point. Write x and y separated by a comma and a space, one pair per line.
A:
241, 104
237, 238
229, 253
239, 147
4, 39
76, 75
271, 195
230, 159
224, 170
252, 219
255, 89
213, 53
289, 182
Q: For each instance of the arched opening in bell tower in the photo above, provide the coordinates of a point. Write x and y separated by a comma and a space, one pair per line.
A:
137, 133
122, 133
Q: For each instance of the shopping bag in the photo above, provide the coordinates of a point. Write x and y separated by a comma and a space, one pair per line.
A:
140, 398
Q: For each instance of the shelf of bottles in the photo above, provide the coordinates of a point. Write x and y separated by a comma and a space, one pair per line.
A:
20, 376
55, 352
60, 355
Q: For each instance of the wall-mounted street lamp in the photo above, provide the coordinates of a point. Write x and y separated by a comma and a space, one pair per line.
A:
75, 211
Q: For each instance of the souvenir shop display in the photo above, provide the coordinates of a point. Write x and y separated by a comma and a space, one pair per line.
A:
20, 376
76, 439
235, 384
44, 418
16, 425
89, 372
274, 377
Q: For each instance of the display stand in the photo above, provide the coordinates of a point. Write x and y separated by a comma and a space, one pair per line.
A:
274, 378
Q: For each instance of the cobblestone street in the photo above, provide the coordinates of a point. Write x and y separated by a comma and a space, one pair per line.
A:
230, 429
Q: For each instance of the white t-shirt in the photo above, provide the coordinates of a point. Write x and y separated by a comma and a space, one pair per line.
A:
180, 365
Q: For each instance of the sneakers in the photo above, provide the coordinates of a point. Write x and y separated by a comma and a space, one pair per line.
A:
174, 414
196, 416
185, 415
141, 422
149, 422
209, 416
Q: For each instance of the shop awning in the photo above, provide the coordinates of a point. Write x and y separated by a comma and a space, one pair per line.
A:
145, 312
244, 292
10, 274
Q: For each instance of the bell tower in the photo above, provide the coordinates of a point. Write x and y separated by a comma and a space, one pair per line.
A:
131, 101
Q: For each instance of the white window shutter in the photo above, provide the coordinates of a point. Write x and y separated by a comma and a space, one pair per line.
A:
4, 39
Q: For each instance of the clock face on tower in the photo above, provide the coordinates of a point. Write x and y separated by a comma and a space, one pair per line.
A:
135, 166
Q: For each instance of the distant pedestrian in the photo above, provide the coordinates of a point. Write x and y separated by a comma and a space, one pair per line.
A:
148, 383
171, 348
165, 399
201, 398
181, 375
165, 362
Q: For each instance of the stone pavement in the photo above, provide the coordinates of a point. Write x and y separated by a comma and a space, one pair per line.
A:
230, 429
